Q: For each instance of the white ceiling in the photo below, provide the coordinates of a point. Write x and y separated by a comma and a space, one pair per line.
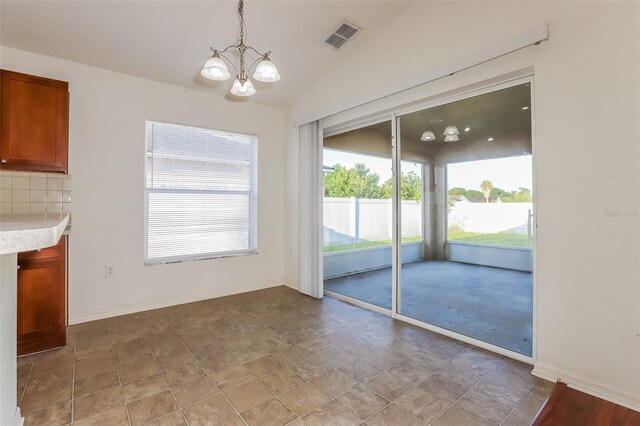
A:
169, 41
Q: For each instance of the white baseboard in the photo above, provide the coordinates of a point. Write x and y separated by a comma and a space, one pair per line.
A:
291, 285
587, 386
131, 309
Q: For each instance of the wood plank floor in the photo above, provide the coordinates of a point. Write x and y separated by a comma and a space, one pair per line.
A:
567, 407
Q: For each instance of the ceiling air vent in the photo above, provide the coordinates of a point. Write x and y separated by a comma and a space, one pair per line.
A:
342, 34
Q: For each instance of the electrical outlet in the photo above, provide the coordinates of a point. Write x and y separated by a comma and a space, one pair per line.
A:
109, 271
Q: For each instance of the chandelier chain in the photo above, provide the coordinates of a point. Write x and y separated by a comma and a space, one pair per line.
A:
241, 46
242, 24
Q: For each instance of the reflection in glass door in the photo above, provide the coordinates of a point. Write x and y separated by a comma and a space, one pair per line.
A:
357, 215
466, 175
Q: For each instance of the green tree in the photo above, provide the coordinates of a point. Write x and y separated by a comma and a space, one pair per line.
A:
386, 190
523, 195
457, 191
486, 187
497, 192
473, 195
411, 187
356, 182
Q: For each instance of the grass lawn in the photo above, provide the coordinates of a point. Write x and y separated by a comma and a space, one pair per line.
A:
496, 239
367, 244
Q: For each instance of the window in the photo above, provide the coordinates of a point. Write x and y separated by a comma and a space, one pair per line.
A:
200, 193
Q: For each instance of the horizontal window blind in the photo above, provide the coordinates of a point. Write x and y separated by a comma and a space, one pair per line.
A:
200, 193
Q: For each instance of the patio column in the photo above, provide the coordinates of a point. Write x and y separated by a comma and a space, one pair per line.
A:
435, 211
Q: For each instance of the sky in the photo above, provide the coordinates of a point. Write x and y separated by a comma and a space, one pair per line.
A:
508, 174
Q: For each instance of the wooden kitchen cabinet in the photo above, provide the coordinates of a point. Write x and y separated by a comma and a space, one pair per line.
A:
35, 123
42, 314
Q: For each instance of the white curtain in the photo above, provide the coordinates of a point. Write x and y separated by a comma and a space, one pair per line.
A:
310, 197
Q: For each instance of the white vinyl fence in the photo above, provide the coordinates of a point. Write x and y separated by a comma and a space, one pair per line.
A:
490, 217
351, 220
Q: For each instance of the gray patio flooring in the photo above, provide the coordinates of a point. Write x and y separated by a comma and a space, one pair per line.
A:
490, 304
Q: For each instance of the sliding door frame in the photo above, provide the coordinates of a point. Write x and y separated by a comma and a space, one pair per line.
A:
396, 237
395, 116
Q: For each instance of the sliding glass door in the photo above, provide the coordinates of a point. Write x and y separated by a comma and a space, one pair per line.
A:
357, 215
428, 217
473, 274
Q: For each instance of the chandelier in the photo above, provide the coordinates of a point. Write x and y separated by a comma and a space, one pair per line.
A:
450, 135
216, 69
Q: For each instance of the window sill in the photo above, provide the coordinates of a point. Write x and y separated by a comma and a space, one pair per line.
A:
211, 256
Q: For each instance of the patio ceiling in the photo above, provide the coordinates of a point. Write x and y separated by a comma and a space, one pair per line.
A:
498, 115
487, 116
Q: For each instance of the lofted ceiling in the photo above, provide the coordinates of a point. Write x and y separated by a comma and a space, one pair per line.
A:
169, 41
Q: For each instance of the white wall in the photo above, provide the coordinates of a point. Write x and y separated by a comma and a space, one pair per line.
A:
586, 142
292, 217
106, 159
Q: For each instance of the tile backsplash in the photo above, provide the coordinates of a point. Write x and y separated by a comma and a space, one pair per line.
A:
34, 192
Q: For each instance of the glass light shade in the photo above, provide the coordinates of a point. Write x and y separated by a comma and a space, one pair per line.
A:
451, 130
215, 69
243, 89
428, 136
266, 71
451, 138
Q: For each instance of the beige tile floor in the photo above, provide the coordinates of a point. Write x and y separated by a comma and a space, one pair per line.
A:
271, 357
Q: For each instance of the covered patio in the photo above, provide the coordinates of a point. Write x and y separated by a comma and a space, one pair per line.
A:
490, 304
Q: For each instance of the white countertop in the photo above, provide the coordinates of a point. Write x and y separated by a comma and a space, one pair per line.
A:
30, 231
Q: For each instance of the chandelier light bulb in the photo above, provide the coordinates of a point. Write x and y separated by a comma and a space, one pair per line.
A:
266, 71
243, 89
